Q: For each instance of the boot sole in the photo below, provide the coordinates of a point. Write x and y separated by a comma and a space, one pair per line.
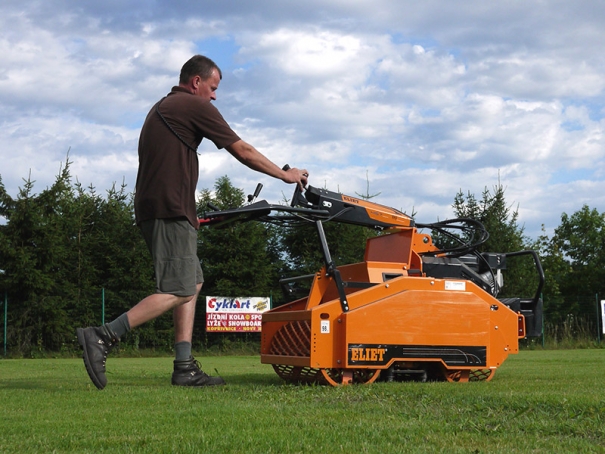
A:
91, 373
205, 385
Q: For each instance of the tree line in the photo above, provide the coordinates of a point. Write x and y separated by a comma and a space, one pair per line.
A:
71, 256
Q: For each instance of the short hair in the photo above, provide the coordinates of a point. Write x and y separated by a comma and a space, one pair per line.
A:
198, 65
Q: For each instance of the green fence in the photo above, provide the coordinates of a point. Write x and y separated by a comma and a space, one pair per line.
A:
579, 320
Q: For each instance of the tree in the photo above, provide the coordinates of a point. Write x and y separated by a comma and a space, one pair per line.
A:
38, 262
237, 260
240, 259
116, 257
58, 250
346, 244
579, 245
556, 268
505, 235
500, 221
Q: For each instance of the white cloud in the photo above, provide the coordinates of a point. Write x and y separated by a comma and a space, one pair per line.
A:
313, 54
532, 75
428, 97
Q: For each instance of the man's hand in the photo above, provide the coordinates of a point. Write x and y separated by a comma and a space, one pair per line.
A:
298, 176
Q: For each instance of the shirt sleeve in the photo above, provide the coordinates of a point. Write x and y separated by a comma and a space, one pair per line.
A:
214, 127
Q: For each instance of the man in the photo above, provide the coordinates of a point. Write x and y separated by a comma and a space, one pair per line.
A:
165, 211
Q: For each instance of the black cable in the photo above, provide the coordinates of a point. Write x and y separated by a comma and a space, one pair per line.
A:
475, 231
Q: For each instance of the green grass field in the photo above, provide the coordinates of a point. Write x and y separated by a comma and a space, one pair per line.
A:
538, 401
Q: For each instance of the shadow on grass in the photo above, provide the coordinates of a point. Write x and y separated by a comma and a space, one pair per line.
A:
122, 380
252, 379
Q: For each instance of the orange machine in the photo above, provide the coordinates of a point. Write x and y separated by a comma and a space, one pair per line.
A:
408, 311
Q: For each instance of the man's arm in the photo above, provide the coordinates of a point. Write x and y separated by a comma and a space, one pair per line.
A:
251, 157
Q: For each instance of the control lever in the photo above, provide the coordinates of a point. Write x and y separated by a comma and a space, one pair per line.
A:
297, 190
252, 197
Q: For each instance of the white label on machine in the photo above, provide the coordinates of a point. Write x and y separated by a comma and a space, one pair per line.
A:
459, 286
325, 327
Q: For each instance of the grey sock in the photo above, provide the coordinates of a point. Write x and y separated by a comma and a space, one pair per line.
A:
120, 325
182, 350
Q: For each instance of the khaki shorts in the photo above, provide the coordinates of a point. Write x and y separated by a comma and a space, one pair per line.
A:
173, 247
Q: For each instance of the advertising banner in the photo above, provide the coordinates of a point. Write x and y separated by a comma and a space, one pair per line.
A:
228, 315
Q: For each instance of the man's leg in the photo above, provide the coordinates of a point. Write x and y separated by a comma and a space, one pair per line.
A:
167, 239
98, 341
184, 316
172, 244
155, 305
188, 371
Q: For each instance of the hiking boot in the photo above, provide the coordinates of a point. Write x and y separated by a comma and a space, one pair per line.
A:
96, 342
188, 372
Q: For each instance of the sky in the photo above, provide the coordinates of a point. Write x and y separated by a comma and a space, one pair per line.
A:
412, 102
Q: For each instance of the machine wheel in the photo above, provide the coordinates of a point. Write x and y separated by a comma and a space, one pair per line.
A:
466, 375
297, 374
337, 377
482, 374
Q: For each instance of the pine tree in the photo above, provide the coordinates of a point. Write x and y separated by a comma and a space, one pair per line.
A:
238, 260
556, 269
38, 263
505, 235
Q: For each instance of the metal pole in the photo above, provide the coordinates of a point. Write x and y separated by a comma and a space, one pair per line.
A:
5, 319
543, 334
598, 313
102, 306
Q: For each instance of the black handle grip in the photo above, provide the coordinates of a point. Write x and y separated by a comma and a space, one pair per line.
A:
259, 186
297, 190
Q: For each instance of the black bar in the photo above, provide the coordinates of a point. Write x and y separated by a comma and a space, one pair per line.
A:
539, 269
331, 267
304, 277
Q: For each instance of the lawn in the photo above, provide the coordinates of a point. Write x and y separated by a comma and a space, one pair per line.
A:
538, 401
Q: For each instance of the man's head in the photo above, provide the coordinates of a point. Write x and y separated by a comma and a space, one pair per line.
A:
201, 76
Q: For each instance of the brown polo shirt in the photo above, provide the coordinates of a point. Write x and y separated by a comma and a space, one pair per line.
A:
168, 169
